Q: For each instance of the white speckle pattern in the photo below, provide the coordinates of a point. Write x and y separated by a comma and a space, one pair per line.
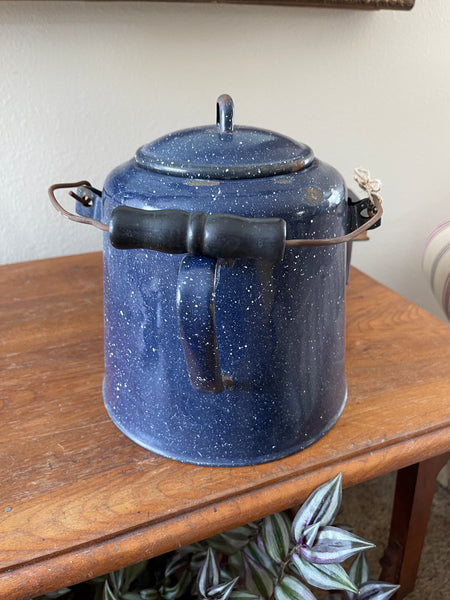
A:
280, 328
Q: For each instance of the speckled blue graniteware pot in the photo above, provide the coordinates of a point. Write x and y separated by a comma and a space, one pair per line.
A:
216, 361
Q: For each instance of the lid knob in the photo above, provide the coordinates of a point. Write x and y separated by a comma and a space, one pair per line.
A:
225, 113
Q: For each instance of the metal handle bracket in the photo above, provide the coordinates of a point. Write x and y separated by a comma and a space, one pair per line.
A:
363, 215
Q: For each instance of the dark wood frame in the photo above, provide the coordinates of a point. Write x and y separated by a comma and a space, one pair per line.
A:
360, 4
355, 4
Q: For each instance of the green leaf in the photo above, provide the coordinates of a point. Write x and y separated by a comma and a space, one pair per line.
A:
334, 545
177, 590
257, 551
108, 594
310, 534
231, 541
235, 565
209, 573
321, 507
276, 536
55, 594
256, 578
115, 581
291, 588
324, 577
131, 596
243, 595
197, 560
131, 573
149, 594
176, 562
359, 571
376, 590
223, 590
194, 548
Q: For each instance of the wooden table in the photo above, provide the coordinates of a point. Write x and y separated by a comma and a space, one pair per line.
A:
78, 499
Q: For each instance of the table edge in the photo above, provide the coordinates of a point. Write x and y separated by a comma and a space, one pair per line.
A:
79, 564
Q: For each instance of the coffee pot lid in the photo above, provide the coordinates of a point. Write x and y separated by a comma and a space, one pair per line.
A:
224, 151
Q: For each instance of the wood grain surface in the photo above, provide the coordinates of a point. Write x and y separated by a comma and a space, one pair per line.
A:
78, 499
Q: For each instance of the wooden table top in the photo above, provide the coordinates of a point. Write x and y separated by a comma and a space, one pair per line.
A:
78, 499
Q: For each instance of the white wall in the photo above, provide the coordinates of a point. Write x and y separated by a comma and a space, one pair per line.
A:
83, 84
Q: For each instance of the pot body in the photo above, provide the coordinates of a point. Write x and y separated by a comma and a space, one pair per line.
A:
280, 327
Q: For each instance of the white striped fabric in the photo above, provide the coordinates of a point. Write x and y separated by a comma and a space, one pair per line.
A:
436, 264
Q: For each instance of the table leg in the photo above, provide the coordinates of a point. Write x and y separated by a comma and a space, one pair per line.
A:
412, 506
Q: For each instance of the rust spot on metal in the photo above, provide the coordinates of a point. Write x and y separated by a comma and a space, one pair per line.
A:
227, 382
283, 179
201, 182
298, 164
313, 196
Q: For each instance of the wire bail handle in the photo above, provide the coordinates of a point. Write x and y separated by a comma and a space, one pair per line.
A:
371, 186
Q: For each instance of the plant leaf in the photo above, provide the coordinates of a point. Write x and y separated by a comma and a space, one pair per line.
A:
291, 588
131, 573
223, 590
310, 534
276, 536
231, 541
235, 565
359, 572
324, 577
243, 595
194, 548
377, 590
149, 594
219, 589
197, 560
321, 507
257, 551
116, 580
55, 594
176, 562
108, 594
177, 590
334, 545
209, 573
256, 578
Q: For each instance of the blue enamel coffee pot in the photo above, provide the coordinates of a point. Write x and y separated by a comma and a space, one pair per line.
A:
225, 263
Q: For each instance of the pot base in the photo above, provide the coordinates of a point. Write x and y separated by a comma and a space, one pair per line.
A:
216, 459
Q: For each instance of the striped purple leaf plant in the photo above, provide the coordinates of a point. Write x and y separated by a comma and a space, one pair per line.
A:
275, 558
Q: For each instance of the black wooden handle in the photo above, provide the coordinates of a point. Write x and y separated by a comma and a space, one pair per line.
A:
179, 232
